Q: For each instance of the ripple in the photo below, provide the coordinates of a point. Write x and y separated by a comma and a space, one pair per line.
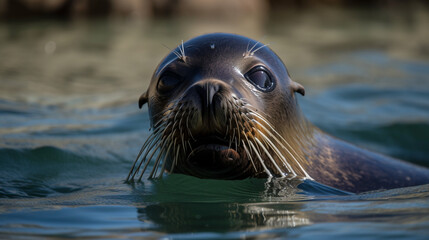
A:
47, 170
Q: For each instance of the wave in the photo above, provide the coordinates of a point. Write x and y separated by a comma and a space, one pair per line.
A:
48, 170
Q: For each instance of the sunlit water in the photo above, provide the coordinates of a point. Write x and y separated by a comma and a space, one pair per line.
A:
70, 129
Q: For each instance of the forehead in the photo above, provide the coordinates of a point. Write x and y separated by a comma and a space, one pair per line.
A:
219, 49
219, 44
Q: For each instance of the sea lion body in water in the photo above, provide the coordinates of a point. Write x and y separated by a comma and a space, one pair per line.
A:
223, 106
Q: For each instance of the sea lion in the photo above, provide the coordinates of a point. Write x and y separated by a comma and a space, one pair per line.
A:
223, 106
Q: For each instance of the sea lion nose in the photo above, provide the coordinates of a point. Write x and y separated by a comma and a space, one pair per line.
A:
206, 91
205, 95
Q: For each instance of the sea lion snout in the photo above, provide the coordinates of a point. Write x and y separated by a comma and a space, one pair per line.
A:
207, 98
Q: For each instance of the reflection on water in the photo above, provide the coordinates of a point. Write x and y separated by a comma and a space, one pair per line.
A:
70, 129
183, 204
284, 213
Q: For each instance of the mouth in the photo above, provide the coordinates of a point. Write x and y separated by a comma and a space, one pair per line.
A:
214, 155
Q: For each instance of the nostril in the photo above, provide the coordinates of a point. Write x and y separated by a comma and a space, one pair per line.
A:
200, 92
211, 91
206, 91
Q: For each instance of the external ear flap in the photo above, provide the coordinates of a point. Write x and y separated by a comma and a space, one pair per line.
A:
143, 99
298, 88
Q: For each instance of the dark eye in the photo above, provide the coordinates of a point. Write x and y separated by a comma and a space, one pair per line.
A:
167, 82
260, 78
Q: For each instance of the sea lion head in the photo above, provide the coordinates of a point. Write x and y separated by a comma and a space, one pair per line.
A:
221, 106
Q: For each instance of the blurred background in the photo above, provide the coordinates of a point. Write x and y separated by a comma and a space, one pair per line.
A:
364, 64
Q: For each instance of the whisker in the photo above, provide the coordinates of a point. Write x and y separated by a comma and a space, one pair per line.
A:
164, 112
173, 51
270, 157
153, 150
276, 150
258, 49
247, 49
248, 52
287, 149
146, 151
155, 167
140, 153
189, 130
238, 131
260, 159
177, 155
249, 155
183, 50
293, 155
164, 160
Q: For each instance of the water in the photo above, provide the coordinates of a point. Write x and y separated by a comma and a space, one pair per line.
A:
70, 129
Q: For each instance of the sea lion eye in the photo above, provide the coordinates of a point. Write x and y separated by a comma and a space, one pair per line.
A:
260, 78
167, 82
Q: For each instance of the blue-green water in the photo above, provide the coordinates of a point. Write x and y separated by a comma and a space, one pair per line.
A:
70, 129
